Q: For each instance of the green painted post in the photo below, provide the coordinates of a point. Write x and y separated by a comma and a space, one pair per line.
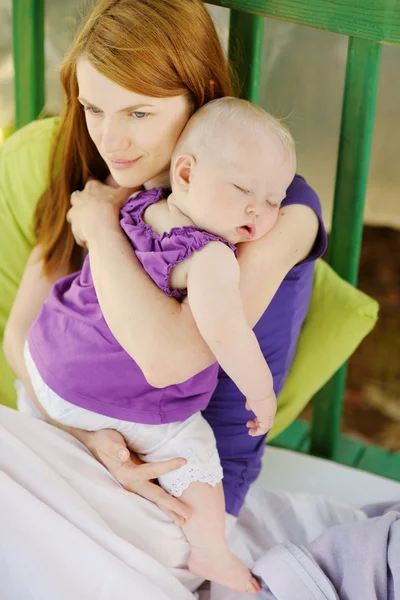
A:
359, 102
245, 53
28, 50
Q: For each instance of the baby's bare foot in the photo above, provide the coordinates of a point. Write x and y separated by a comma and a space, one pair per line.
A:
223, 568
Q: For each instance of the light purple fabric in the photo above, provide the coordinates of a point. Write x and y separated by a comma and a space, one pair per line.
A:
79, 358
357, 561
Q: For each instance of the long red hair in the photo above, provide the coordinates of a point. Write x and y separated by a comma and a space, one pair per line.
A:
158, 48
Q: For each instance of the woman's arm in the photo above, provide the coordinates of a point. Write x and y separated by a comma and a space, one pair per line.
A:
107, 446
138, 313
32, 292
158, 332
265, 263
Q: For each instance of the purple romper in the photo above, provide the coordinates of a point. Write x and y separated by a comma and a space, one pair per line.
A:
78, 357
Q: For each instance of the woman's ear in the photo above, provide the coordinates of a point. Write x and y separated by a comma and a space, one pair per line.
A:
182, 171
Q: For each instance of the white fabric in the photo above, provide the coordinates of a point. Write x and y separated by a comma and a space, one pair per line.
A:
69, 530
297, 472
192, 439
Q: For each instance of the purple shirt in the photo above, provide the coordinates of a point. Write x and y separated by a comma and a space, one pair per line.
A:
79, 358
277, 332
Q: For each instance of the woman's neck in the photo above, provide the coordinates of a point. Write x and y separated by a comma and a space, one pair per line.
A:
161, 180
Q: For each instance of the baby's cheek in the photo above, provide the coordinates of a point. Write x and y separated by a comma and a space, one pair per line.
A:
269, 223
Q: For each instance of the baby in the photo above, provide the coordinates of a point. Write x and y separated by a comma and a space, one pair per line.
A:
229, 173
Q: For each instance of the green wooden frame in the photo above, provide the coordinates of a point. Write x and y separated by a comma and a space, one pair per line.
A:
368, 24
28, 52
375, 20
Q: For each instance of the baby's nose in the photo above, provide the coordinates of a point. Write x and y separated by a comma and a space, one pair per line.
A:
250, 209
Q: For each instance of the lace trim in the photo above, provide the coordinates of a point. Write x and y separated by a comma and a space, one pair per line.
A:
195, 470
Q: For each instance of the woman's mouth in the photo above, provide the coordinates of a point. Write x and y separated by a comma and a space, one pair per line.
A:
119, 164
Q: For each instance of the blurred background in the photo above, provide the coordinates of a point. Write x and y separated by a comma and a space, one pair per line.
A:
302, 82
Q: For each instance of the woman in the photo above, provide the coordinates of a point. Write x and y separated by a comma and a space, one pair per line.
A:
144, 75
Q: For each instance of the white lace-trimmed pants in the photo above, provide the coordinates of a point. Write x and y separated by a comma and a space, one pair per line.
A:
192, 439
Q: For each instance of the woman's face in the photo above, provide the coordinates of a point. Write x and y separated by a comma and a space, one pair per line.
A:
134, 134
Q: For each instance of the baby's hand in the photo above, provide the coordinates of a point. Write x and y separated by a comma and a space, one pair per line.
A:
265, 410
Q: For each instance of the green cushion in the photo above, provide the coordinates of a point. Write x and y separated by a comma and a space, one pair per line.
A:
339, 316
23, 178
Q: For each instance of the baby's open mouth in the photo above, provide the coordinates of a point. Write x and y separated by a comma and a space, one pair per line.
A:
248, 231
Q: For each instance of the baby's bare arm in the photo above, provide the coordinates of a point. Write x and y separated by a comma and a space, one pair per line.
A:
215, 301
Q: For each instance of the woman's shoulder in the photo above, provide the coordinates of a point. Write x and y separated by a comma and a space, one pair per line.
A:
300, 192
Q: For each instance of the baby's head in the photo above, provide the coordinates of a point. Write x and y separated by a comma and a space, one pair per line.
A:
231, 168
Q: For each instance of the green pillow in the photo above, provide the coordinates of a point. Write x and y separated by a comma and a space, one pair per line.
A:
23, 177
339, 317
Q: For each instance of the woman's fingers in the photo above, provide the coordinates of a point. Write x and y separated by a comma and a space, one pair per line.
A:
166, 502
134, 475
128, 476
180, 521
111, 444
147, 471
109, 192
97, 204
74, 197
110, 181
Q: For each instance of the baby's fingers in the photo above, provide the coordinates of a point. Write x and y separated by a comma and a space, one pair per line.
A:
257, 427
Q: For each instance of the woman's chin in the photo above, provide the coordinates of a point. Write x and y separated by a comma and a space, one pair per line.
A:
125, 179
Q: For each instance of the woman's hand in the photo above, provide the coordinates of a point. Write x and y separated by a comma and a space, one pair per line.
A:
97, 205
109, 448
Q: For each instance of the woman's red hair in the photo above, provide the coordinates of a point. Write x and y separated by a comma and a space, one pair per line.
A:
158, 48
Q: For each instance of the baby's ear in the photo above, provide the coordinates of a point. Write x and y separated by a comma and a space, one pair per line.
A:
182, 171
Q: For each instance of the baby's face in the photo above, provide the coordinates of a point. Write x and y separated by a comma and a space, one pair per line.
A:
237, 192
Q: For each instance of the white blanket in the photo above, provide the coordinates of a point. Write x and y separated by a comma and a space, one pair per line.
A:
70, 531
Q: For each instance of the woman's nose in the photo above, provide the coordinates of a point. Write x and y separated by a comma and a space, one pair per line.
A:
114, 139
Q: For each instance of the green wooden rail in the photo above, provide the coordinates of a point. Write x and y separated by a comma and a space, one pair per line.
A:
375, 20
28, 51
361, 85
368, 24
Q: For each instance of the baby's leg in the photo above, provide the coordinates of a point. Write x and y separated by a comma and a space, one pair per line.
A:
198, 484
210, 556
